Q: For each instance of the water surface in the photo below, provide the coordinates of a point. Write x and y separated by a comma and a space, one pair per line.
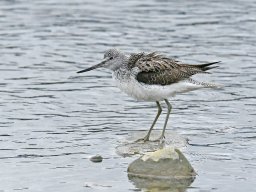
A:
53, 120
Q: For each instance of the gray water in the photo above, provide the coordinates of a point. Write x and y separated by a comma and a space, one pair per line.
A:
53, 120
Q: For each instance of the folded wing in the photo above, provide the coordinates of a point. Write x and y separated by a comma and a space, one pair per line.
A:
159, 70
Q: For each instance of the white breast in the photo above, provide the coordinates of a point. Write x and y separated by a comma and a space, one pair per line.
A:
141, 91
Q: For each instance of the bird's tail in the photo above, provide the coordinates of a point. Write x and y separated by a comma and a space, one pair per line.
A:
207, 66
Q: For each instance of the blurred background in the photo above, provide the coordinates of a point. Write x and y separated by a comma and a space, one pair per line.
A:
53, 120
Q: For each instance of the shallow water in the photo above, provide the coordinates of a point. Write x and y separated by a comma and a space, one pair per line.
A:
53, 120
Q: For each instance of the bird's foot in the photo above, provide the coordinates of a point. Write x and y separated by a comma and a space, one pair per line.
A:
142, 140
161, 139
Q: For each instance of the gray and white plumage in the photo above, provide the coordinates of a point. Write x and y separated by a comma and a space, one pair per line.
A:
160, 70
152, 77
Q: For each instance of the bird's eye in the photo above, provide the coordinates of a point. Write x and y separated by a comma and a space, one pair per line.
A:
111, 58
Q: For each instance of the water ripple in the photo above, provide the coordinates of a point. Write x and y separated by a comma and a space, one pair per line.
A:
53, 120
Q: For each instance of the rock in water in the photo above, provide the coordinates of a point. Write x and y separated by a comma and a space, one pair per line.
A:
96, 159
164, 168
128, 148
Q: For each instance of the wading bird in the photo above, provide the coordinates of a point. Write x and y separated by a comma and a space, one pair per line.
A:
152, 77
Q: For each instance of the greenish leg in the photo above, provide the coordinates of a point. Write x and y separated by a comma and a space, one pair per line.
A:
146, 138
166, 119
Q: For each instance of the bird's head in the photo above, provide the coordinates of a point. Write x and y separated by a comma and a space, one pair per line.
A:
113, 59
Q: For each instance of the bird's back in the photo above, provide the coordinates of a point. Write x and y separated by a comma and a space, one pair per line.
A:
160, 70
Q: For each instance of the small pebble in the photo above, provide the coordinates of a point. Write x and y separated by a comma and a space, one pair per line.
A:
96, 159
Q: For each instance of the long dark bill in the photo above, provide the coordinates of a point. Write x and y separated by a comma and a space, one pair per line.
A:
94, 67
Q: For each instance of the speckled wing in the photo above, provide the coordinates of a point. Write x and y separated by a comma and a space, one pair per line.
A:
159, 70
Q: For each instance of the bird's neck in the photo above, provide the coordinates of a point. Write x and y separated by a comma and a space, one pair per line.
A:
123, 65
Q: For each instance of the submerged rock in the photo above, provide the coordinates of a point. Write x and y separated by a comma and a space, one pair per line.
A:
96, 159
165, 168
130, 146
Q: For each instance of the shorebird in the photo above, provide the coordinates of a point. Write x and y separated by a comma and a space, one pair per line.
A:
152, 77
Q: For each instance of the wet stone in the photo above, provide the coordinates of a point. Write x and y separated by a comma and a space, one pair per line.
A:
164, 166
130, 146
96, 159
166, 162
